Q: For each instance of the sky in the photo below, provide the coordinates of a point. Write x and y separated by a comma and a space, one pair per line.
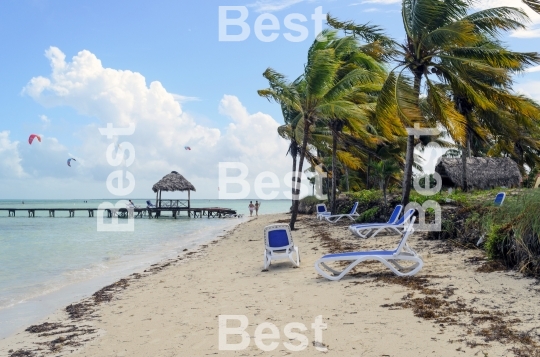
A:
70, 67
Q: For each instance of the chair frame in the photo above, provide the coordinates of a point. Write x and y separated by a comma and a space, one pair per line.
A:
323, 213
389, 258
352, 215
277, 253
371, 230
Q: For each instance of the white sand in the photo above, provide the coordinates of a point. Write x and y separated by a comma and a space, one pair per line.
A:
174, 311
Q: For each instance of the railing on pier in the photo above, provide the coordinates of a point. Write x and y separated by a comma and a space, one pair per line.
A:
138, 212
173, 204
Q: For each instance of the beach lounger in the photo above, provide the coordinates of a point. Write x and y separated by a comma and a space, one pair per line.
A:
371, 230
352, 215
150, 205
499, 199
279, 245
321, 211
392, 259
394, 218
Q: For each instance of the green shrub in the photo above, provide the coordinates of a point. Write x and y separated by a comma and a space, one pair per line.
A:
368, 215
310, 200
365, 197
494, 239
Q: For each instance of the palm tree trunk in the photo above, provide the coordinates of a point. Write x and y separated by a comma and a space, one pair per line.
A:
296, 186
347, 178
383, 188
367, 173
294, 154
407, 175
409, 156
464, 156
334, 171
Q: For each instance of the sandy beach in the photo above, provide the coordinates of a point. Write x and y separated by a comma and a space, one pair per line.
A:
458, 305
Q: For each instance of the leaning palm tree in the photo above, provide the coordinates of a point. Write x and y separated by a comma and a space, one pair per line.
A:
492, 109
364, 96
439, 33
321, 94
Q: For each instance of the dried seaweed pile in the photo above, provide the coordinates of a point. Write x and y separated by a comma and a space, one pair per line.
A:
481, 327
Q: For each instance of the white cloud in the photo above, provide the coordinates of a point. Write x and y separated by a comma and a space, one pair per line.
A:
273, 5
184, 99
533, 69
531, 32
162, 130
530, 89
384, 2
527, 33
10, 160
44, 119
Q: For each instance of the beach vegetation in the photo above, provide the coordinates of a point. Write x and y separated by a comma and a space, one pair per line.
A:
368, 215
349, 110
326, 91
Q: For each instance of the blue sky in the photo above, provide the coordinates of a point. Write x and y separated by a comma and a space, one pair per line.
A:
69, 67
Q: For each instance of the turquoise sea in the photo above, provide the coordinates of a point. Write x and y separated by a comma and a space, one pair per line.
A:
47, 263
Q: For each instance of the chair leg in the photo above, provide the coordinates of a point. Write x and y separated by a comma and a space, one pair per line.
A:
267, 260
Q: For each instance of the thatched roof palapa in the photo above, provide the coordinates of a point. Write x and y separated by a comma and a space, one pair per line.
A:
173, 182
482, 172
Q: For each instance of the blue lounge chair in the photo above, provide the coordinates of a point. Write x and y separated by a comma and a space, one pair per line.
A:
499, 199
352, 215
279, 245
390, 258
150, 205
371, 230
322, 211
394, 217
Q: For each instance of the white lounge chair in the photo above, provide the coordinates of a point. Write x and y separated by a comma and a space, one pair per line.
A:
390, 258
394, 217
279, 245
322, 211
352, 215
371, 230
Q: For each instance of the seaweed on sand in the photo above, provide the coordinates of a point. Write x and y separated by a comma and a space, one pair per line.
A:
457, 313
21, 353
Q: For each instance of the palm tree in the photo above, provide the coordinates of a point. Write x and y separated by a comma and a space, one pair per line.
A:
291, 117
353, 59
383, 171
322, 93
441, 39
492, 110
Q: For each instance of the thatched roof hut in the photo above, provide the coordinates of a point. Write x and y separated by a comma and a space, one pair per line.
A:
173, 182
482, 172
170, 183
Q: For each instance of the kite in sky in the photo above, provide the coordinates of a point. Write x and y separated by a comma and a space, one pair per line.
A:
187, 148
32, 137
69, 161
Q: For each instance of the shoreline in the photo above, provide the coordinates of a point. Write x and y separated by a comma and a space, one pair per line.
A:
451, 308
30, 310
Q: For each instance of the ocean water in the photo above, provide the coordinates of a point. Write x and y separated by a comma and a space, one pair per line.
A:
46, 263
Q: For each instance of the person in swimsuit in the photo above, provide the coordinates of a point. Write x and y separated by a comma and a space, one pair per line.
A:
251, 208
257, 205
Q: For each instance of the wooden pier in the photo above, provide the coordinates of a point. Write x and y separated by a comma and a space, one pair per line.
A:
192, 212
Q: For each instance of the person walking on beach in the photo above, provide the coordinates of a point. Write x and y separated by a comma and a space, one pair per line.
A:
257, 205
251, 208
